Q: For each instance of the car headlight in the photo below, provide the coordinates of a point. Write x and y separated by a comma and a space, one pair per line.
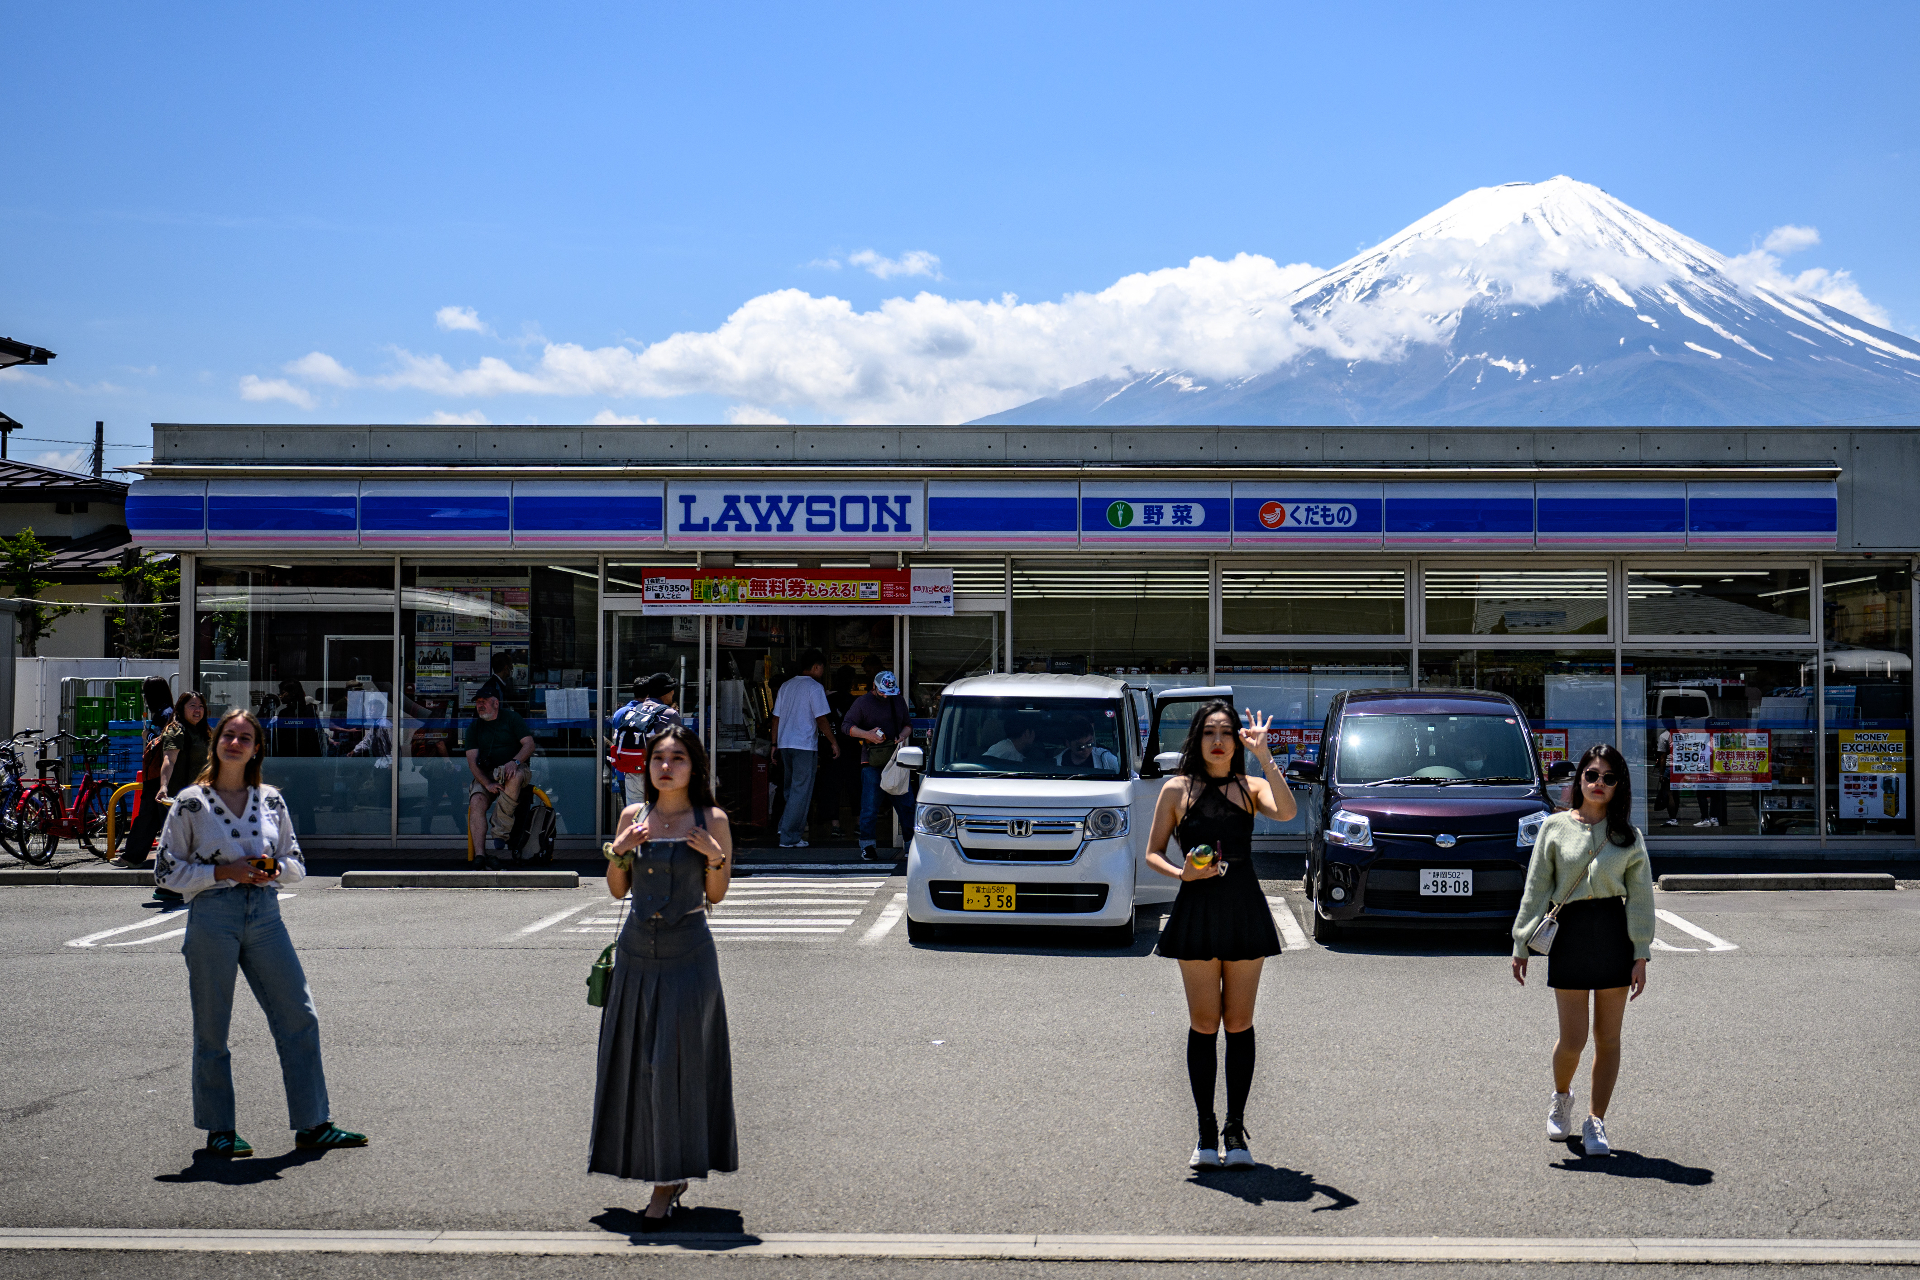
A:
1353, 830
1529, 830
1104, 824
933, 820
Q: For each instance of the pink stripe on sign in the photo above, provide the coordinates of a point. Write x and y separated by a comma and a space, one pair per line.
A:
1458, 540
1612, 539
1765, 539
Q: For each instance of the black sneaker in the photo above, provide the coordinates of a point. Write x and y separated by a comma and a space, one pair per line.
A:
1206, 1152
228, 1145
167, 895
1233, 1139
323, 1137
870, 853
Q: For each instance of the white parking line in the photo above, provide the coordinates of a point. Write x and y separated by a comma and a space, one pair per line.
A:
889, 917
93, 939
1687, 926
548, 922
141, 942
1291, 934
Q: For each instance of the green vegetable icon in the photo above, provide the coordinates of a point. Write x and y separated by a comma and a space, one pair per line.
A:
1120, 515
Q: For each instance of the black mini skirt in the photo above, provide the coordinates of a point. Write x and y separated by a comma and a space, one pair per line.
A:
1592, 951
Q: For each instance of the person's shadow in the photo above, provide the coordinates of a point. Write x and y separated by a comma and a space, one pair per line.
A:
239, 1173
704, 1221
1264, 1183
1631, 1164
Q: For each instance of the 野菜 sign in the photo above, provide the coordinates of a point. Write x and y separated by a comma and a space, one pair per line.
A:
1738, 760
922, 592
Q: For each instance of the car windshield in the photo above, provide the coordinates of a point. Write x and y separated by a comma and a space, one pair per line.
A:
1029, 738
1438, 749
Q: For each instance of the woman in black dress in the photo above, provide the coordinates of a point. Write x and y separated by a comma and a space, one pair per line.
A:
1220, 929
663, 1097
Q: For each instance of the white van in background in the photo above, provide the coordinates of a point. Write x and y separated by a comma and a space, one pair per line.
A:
1036, 799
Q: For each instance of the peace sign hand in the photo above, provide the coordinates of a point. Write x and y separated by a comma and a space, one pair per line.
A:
1254, 736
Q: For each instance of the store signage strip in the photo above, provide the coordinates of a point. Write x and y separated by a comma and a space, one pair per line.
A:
732, 513
910, 592
273, 513
1608, 515
1306, 515
1016, 515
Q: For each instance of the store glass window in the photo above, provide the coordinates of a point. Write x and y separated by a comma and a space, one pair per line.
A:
942, 650
1567, 694
1288, 601
1867, 613
1720, 743
1515, 602
1296, 687
533, 627
309, 649
1118, 618
1692, 601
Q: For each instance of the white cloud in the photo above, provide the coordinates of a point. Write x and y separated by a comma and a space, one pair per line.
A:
915, 262
826, 264
317, 366
471, 418
76, 460
460, 318
1761, 269
1790, 239
608, 418
752, 415
252, 388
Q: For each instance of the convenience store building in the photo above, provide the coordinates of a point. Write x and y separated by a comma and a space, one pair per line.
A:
1733, 607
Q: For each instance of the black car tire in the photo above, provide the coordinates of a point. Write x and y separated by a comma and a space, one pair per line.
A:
1119, 936
917, 931
1324, 930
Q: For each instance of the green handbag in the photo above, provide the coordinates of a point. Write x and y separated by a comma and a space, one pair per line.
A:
599, 976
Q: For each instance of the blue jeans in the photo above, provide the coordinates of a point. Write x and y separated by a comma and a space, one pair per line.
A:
872, 797
239, 930
797, 768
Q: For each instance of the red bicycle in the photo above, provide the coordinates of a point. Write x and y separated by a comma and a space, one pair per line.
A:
42, 817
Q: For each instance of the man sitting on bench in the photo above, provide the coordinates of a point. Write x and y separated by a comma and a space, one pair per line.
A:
499, 744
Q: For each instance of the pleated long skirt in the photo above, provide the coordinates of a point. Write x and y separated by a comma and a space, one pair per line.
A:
663, 1096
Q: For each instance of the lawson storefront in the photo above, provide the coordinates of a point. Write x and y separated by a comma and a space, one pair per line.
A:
1736, 611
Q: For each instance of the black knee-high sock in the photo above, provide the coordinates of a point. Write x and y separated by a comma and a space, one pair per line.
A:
1239, 1071
1202, 1063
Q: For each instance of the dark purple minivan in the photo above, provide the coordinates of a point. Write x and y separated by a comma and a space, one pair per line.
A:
1423, 810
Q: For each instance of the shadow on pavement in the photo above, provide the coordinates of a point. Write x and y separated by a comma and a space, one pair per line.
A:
698, 1220
1264, 1183
239, 1173
1495, 941
1038, 940
1631, 1164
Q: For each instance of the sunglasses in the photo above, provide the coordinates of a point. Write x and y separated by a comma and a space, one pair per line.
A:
1604, 779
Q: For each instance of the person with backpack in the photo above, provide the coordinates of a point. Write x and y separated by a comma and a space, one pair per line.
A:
652, 710
148, 812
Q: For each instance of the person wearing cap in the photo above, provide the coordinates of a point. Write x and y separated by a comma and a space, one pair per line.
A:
653, 709
499, 744
882, 720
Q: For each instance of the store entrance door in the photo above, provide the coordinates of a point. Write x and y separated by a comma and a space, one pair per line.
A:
752, 655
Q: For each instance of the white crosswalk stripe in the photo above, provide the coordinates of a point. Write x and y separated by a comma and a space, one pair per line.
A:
1292, 936
771, 907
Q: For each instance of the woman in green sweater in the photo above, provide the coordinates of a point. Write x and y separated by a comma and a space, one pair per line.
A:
1594, 861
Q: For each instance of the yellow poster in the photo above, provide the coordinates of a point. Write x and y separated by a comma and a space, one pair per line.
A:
1873, 751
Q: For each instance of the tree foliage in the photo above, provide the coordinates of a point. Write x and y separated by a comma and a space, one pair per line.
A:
146, 579
22, 558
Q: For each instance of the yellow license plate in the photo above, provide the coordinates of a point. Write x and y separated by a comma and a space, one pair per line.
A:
987, 897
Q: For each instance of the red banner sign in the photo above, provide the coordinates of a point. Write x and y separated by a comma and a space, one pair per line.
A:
922, 592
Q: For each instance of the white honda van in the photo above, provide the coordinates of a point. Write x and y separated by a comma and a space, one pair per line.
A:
1036, 798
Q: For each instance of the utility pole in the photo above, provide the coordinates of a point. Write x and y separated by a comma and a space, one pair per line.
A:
99, 448
7, 427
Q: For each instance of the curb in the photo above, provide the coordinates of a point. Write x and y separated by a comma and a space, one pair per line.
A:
1777, 881
460, 880
74, 875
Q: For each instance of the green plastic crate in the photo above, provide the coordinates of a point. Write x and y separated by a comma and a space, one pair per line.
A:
90, 715
126, 700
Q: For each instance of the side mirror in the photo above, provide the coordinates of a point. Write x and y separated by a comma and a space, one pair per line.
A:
911, 758
1304, 771
1560, 770
1167, 761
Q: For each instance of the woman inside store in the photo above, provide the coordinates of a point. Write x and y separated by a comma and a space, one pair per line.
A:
228, 848
1220, 928
1589, 867
663, 1094
185, 747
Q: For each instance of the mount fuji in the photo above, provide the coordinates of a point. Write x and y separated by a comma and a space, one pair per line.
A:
1548, 303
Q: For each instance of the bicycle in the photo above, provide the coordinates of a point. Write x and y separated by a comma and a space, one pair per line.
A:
14, 838
42, 815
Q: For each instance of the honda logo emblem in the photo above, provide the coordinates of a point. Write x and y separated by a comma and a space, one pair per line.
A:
1020, 828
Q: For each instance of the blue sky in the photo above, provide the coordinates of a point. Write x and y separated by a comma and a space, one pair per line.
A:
208, 203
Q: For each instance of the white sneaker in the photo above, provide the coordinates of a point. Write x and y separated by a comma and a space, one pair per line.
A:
1233, 1144
1671, 822
1593, 1136
1204, 1158
1560, 1118
1707, 822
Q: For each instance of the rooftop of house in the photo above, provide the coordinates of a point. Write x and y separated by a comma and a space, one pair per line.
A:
31, 482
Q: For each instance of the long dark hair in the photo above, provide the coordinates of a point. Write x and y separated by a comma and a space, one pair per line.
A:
1620, 828
700, 785
211, 769
157, 694
1193, 762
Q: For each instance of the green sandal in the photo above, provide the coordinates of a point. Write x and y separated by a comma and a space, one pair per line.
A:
228, 1145
324, 1137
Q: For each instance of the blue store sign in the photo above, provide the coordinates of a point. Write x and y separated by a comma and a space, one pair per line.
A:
738, 513
1155, 515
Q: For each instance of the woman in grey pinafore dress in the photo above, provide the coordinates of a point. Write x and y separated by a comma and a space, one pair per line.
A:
663, 1100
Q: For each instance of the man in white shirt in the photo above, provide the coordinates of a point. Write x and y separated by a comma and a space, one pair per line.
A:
799, 722
1019, 740
1081, 753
